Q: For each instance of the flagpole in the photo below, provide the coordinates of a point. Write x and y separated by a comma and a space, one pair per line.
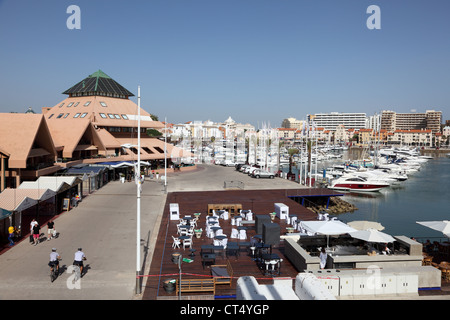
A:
138, 211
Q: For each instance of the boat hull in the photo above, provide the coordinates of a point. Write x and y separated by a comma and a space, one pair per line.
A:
358, 187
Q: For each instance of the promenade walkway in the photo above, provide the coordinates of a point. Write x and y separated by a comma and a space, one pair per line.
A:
104, 225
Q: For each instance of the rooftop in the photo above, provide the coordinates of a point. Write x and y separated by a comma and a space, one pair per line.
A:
99, 84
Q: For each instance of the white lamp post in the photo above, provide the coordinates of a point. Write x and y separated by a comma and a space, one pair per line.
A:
138, 213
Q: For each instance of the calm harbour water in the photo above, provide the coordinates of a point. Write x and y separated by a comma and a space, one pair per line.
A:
424, 196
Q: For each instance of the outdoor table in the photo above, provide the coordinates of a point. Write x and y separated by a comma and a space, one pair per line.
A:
187, 218
208, 258
210, 248
232, 249
261, 248
271, 257
185, 226
241, 228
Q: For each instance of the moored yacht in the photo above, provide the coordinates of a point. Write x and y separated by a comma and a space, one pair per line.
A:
356, 183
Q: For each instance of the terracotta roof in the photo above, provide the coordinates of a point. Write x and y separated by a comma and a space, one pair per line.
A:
19, 132
68, 134
103, 111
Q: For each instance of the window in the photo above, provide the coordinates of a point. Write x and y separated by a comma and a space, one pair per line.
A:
66, 115
69, 105
103, 104
125, 116
83, 115
117, 116
87, 103
76, 104
110, 115
59, 115
76, 115
50, 115
61, 104
103, 115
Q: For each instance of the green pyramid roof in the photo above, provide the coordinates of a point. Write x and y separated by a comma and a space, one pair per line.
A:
99, 84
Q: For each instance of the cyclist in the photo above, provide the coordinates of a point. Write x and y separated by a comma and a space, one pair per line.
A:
79, 258
54, 260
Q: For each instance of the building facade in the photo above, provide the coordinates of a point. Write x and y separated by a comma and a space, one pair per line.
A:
330, 121
392, 121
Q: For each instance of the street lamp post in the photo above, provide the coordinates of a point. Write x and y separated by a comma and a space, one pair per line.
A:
138, 204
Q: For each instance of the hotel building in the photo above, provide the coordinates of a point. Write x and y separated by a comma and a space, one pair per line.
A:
330, 121
392, 121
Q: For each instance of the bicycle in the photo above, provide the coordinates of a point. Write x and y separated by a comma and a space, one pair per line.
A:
77, 270
54, 272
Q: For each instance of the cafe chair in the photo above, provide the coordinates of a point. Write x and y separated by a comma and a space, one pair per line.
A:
219, 232
224, 215
187, 243
242, 234
176, 242
249, 216
234, 233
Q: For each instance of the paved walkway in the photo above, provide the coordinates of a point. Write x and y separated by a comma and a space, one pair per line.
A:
104, 225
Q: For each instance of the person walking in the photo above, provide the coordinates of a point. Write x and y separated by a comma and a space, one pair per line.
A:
51, 233
11, 236
323, 258
36, 232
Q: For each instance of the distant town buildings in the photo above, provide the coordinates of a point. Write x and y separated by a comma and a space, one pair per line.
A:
292, 123
389, 127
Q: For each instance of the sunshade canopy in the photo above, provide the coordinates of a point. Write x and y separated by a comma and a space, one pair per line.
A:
329, 228
364, 225
372, 235
440, 225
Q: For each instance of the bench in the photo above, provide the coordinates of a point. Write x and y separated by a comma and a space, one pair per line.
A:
223, 273
196, 285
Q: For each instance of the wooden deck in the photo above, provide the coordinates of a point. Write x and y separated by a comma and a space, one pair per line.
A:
259, 201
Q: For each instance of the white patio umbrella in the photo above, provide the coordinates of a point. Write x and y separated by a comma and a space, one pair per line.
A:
364, 225
328, 228
372, 235
442, 226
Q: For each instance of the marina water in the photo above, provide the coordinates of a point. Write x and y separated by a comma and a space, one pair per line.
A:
425, 196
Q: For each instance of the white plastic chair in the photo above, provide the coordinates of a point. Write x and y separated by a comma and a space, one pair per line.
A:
234, 233
176, 242
224, 242
219, 232
224, 215
249, 216
242, 234
187, 243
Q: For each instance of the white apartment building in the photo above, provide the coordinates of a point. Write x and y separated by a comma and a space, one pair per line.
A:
330, 121
411, 137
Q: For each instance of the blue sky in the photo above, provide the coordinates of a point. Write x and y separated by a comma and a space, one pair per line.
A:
254, 60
